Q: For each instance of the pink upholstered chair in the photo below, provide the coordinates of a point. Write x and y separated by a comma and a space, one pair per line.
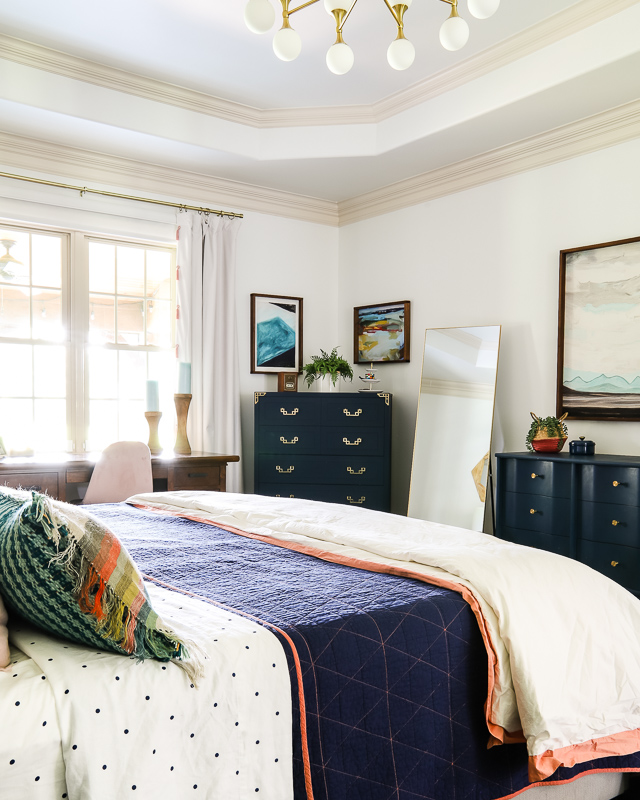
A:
123, 469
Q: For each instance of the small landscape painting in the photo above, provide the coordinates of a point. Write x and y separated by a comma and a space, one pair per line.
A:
381, 332
276, 333
599, 332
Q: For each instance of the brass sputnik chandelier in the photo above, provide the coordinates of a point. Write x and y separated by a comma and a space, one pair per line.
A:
259, 16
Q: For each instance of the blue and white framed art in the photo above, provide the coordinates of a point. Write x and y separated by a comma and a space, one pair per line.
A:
276, 333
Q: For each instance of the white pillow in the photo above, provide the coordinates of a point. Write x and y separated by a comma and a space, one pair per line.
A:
4, 637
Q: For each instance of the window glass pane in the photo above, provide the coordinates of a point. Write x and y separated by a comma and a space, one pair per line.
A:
15, 248
131, 271
102, 319
47, 315
159, 274
130, 321
102, 267
50, 373
159, 323
50, 429
15, 320
16, 362
133, 375
132, 423
103, 424
46, 260
102, 368
16, 425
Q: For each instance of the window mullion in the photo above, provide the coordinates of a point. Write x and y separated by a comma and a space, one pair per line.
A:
78, 337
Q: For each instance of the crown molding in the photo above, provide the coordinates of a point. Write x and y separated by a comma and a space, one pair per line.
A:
565, 23
606, 129
85, 166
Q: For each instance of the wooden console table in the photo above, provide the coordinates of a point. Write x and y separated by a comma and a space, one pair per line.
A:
59, 475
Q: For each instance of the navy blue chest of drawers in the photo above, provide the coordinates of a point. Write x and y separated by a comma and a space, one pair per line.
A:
330, 447
584, 507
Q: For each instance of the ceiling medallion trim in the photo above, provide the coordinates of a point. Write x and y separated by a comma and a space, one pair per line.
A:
563, 24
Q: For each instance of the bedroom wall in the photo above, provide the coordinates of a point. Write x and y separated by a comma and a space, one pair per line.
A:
489, 255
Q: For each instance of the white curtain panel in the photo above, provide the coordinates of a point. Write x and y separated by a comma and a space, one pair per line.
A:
207, 335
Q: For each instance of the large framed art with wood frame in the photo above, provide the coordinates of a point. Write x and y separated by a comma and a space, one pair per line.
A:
276, 333
599, 332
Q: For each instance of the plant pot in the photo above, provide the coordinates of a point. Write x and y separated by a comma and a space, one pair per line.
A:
323, 383
548, 445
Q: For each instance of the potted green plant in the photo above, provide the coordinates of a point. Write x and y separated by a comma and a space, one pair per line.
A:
327, 369
547, 435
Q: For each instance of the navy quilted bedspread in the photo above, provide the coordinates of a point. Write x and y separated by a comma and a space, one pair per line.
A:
395, 670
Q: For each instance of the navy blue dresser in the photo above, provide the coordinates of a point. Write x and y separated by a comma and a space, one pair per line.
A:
584, 507
324, 446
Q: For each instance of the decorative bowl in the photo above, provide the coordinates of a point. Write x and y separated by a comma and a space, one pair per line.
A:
554, 445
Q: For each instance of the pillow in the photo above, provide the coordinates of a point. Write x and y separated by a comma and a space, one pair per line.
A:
67, 573
5, 658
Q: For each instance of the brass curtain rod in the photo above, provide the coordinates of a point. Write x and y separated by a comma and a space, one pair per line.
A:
86, 190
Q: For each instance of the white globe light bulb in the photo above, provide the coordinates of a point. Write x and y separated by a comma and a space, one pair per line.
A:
401, 53
340, 58
454, 33
259, 15
482, 9
287, 44
333, 5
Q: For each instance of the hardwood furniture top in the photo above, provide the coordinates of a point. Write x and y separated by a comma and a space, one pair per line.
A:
58, 474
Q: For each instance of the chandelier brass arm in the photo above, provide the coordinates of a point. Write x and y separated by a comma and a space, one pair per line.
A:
259, 16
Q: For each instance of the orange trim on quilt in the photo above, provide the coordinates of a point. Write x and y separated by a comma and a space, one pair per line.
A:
498, 734
107, 556
618, 744
303, 710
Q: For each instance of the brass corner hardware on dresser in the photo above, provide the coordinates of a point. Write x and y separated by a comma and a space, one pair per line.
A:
59, 476
330, 447
584, 507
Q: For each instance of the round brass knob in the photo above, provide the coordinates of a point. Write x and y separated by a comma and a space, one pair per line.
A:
614, 522
533, 475
532, 511
614, 563
616, 483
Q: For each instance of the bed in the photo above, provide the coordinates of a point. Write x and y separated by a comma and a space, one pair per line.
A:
380, 673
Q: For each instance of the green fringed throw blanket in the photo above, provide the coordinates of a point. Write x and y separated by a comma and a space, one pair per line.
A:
66, 572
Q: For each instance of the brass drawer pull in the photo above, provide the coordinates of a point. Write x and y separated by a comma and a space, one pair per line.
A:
532, 511
285, 471
284, 441
289, 413
533, 475
279, 495
614, 563
617, 483
361, 471
356, 502
357, 441
614, 522
349, 414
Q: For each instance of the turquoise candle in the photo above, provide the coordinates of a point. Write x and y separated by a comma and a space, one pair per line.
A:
184, 378
153, 396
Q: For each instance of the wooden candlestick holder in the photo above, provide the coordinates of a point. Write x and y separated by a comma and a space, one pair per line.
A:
153, 418
182, 445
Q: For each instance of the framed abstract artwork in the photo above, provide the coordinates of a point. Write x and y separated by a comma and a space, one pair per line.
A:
382, 332
276, 333
599, 332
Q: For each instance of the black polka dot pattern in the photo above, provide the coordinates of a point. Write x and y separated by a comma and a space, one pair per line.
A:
155, 710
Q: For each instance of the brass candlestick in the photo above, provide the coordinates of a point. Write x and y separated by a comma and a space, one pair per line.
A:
182, 445
153, 418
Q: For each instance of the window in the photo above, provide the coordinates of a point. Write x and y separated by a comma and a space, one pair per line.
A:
84, 322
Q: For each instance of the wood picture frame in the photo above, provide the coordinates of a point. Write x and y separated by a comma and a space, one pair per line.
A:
382, 333
276, 333
598, 374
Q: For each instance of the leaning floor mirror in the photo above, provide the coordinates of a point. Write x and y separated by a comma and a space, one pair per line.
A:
454, 424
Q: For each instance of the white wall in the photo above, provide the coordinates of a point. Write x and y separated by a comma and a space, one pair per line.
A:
489, 255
